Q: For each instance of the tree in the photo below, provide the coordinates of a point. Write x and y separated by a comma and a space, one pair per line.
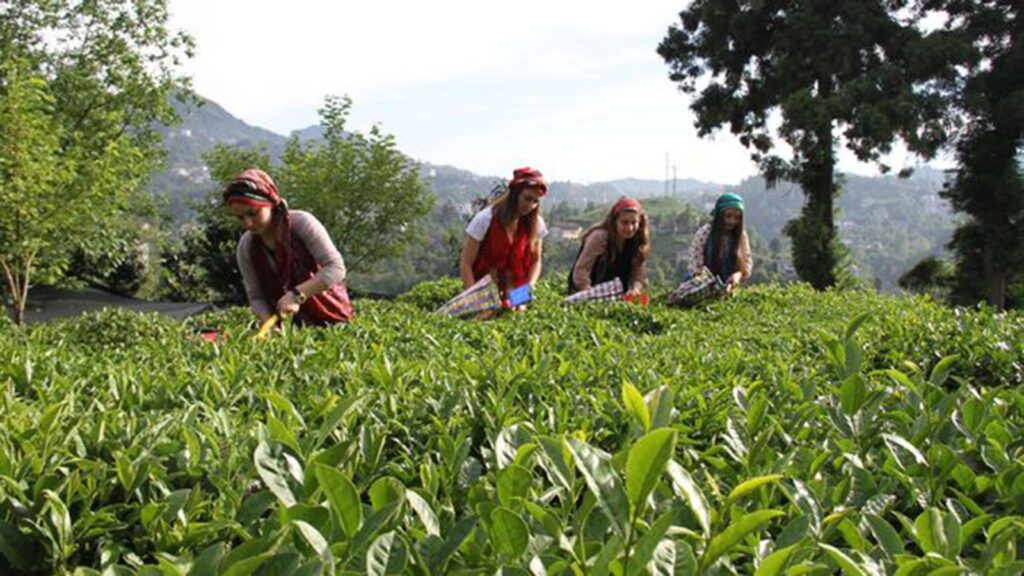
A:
83, 85
365, 191
33, 175
988, 186
827, 69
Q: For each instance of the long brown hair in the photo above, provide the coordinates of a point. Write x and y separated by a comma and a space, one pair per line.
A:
507, 208
642, 237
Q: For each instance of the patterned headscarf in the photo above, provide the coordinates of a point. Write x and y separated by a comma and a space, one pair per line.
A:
253, 187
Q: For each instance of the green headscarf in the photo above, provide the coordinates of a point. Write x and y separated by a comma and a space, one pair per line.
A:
729, 200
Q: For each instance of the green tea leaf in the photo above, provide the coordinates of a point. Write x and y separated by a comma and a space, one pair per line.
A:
660, 404
511, 534
886, 535
776, 562
686, 488
735, 533
386, 492
387, 555
513, 482
343, 498
941, 370
603, 482
847, 564
646, 462
425, 513
751, 485
636, 406
318, 543
853, 394
272, 473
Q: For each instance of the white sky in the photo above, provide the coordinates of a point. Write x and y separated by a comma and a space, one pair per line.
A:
572, 87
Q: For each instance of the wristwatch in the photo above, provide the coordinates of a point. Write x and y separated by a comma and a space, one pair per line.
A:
300, 298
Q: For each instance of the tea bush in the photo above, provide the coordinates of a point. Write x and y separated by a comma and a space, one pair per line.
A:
782, 431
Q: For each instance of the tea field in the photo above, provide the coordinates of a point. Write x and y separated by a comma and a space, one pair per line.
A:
782, 432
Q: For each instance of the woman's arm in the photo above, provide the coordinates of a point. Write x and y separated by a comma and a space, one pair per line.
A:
257, 300
696, 261
535, 269
470, 249
593, 246
746, 257
638, 277
316, 239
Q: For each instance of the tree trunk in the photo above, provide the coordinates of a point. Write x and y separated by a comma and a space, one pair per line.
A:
17, 285
995, 276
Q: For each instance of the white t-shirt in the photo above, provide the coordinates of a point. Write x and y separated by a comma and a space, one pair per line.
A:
478, 226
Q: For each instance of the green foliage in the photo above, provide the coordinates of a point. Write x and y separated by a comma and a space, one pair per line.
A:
754, 60
988, 188
930, 276
429, 296
367, 194
785, 430
83, 85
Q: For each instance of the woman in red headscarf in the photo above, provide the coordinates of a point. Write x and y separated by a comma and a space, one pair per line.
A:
504, 239
289, 264
617, 247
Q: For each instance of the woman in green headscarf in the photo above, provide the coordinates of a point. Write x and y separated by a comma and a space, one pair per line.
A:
722, 244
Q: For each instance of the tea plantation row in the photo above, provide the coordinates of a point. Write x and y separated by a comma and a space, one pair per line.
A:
782, 432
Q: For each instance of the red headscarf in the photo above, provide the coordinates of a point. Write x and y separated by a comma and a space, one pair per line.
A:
292, 260
625, 203
253, 187
528, 178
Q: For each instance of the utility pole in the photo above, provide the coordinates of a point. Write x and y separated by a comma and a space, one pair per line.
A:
673, 180
666, 173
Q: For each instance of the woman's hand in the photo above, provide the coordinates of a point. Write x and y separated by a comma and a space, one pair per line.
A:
287, 304
633, 293
733, 281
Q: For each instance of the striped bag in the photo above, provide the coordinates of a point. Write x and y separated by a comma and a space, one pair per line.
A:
478, 298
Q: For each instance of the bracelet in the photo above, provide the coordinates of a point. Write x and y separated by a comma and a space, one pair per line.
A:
300, 298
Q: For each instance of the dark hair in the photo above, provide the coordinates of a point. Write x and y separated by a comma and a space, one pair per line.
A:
642, 237
507, 207
717, 240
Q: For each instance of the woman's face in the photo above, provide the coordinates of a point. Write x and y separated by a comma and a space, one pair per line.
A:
732, 218
251, 218
529, 200
627, 224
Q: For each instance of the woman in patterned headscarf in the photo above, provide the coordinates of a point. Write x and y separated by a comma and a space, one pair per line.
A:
504, 239
722, 245
289, 264
617, 247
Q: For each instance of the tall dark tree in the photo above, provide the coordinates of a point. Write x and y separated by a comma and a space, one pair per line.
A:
825, 72
988, 187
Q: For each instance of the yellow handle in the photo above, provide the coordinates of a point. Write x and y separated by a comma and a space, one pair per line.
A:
267, 326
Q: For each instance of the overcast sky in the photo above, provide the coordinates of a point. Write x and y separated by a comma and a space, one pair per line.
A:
572, 87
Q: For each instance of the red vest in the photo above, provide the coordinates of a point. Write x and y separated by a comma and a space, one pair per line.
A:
510, 262
330, 306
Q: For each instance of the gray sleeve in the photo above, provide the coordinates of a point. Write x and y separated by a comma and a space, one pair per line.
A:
318, 242
257, 301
